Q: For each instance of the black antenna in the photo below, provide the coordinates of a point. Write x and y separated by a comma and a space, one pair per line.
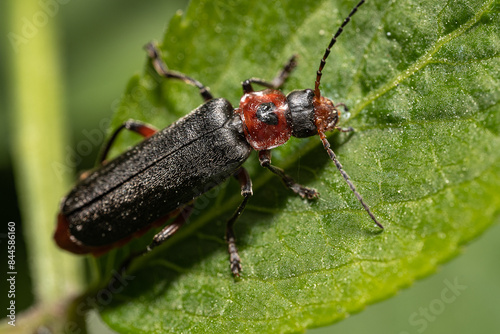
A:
317, 93
332, 155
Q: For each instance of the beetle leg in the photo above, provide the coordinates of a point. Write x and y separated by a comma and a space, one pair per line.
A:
170, 229
304, 192
277, 81
162, 69
161, 236
144, 130
343, 105
246, 191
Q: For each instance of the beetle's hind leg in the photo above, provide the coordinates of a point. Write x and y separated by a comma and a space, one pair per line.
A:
277, 82
140, 128
143, 129
304, 192
162, 69
162, 236
246, 191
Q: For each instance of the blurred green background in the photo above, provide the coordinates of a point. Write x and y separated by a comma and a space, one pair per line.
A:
100, 48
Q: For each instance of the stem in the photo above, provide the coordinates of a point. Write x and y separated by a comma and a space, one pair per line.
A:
37, 148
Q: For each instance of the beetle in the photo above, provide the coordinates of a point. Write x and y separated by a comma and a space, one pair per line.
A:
162, 176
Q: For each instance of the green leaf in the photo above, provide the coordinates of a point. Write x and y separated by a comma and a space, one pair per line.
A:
422, 83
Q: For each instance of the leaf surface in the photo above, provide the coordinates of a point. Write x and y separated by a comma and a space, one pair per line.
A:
422, 82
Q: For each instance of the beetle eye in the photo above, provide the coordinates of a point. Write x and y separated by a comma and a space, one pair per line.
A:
265, 113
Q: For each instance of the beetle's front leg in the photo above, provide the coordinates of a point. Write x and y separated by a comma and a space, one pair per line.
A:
304, 192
